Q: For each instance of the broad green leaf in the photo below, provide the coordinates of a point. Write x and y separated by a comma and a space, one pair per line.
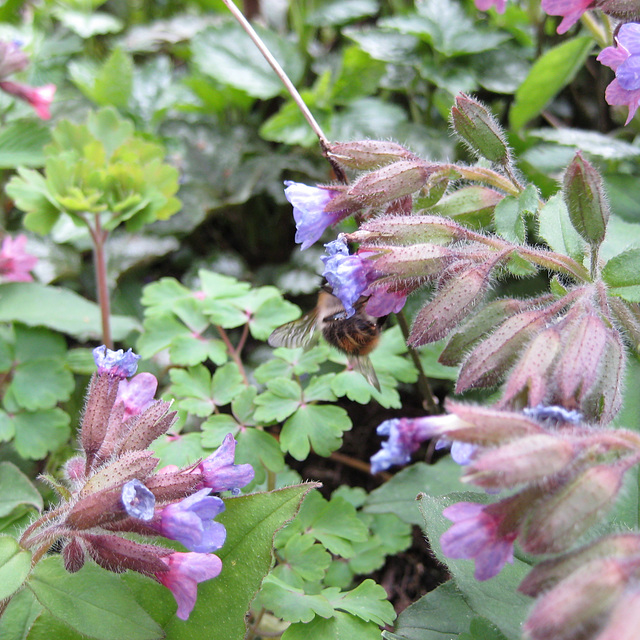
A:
306, 558
41, 383
317, 426
246, 557
398, 495
92, 601
271, 314
226, 384
87, 25
623, 271
281, 399
440, 613
591, 142
550, 73
557, 231
16, 489
19, 616
22, 143
217, 54
40, 432
260, 449
15, 564
338, 12
113, 81
508, 220
181, 450
59, 309
359, 76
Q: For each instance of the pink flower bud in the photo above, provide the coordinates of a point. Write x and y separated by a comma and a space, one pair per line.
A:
495, 355
409, 230
40, 98
119, 554
557, 521
580, 601
624, 619
15, 262
368, 154
525, 460
416, 260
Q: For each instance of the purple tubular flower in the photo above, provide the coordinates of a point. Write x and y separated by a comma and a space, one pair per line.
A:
186, 570
137, 394
571, 10
191, 523
461, 452
138, 501
624, 59
219, 471
485, 5
348, 275
308, 211
405, 437
553, 414
477, 534
119, 364
383, 302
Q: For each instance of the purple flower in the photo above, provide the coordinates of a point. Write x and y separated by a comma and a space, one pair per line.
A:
479, 534
382, 302
186, 570
461, 452
12, 59
571, 10
119, 364
219, 471
553, 415
138, 501
309, 211
137, 394
405, 437
191, 523
485, 5
15, 263
624, 59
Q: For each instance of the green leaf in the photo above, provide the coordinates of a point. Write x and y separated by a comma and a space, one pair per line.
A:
550, 73
622, 272
16, 490
92, 601
271, 314
280, 401
341, 626
333, 522
246, 557
259, 449
59, 309
320, 427
22, 143
557, 231
508, 220
359, 76
41, 383
226, 384
111, 84
182, 450
368, 601
216, 52
87, 25
441, 613
31, 194
398, 495
292, 603
306, 558
41, 432
338, 12
15, 564
18, 618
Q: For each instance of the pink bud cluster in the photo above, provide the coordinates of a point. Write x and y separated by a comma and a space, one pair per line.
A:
561, 475
114, 488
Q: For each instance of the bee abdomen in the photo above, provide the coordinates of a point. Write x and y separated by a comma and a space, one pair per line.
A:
355, 336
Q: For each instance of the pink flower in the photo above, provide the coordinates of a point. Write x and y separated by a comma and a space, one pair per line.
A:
137, 394
478, 533
38, 97
15, 263
571, 10
186, 570
485, 5
624, 59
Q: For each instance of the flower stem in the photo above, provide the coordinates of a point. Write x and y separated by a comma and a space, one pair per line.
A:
232, 353
99, 237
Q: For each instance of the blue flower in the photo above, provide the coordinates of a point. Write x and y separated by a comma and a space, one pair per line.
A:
138, 501
309, 211
191, 523
119, 364
553, 414
349, 275
220, 473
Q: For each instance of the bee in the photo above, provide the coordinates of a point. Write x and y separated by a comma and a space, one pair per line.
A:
356, 336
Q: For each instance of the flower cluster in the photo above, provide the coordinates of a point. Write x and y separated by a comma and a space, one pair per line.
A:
12, 60
114, 488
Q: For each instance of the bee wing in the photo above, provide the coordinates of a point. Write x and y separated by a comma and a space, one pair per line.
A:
299, 333
363, 365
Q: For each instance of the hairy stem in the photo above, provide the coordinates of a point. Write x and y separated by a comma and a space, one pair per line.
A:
99, 237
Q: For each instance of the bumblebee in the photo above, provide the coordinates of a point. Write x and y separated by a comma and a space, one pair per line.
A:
356, 336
